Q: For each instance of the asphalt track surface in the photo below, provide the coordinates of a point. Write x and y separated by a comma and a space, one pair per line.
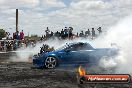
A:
22, 75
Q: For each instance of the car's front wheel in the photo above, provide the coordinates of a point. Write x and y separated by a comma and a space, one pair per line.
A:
50, 62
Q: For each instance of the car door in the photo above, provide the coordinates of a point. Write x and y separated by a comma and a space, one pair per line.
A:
84, 53
84, 57
70, 55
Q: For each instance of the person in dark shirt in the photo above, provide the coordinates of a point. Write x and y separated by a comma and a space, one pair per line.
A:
62, 34
70, 31
14, 35
81, 34
17, 35
93, 32
51, 34
77, 34
57, 34
87, 33
99, 30
65, 32
47, 32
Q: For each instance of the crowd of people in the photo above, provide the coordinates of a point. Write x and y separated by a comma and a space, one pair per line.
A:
18, 36
18, 40
46, 48
15, 42
67, 32
12, 45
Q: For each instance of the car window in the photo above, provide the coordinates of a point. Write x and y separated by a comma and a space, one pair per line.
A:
80, 46
76, 47
88, 46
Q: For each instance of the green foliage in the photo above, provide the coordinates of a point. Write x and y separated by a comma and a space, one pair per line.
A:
32, 37
2, 33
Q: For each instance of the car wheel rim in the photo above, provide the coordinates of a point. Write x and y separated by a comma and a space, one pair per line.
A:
50, 62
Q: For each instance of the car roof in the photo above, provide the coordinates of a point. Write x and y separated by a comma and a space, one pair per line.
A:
79, 43
74, 43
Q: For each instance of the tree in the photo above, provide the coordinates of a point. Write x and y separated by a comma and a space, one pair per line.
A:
2, 33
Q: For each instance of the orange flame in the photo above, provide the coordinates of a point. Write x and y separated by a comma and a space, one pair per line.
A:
81, 71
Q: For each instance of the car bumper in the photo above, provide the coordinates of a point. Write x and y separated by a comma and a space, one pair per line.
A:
38, 62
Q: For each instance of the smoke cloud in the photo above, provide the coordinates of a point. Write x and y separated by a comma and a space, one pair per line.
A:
120, 34
23, 55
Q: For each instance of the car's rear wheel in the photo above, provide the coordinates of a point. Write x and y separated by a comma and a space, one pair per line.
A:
50, 62
107, 64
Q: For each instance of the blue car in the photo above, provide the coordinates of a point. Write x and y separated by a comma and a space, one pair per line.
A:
73, 54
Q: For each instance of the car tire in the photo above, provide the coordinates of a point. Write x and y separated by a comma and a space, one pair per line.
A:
107, 68
50, 62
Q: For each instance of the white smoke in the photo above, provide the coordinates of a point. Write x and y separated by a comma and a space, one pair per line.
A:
23, 55
121, 34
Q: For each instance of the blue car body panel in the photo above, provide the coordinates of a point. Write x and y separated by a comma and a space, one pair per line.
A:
70, 56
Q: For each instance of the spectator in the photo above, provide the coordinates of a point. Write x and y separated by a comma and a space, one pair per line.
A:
42, 38
7, 35
65, 32
77, 34
87, 33
14, 35
21, 35
70, 31
15, 45
62, 34
99, 30
93, 32
47, 32
5, 46
51, 34
81, 34
17, 35
57, 34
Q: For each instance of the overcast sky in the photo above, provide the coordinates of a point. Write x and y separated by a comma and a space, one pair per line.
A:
36, 15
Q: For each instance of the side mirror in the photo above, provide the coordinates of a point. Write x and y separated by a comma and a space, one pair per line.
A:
68, 50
